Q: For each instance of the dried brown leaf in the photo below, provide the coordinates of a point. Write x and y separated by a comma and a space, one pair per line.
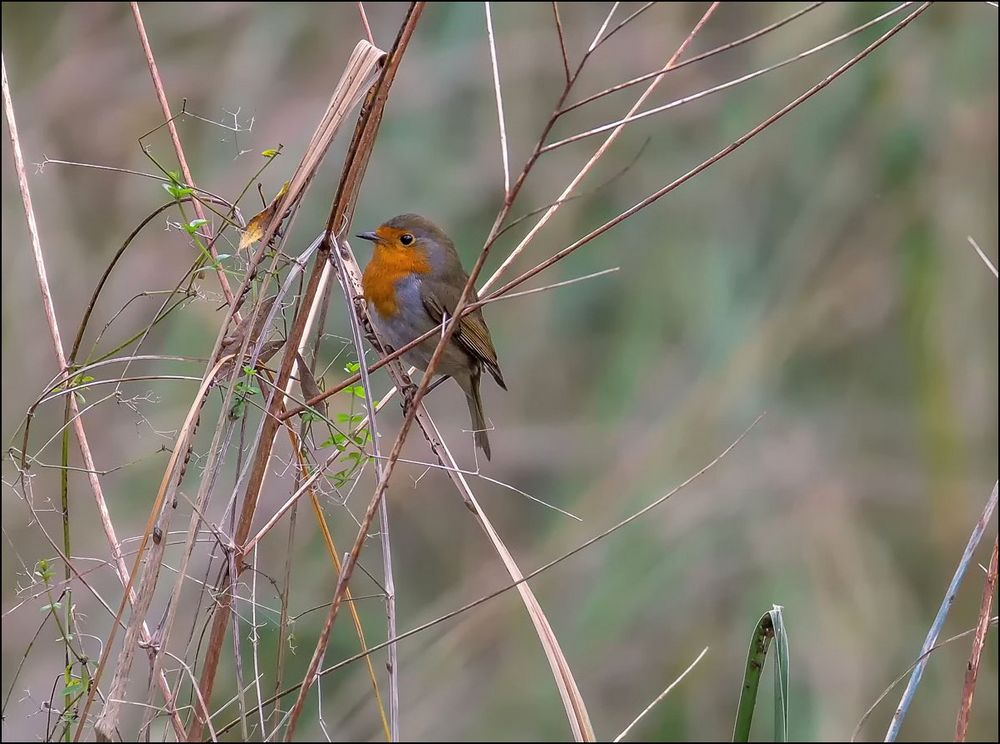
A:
258, 223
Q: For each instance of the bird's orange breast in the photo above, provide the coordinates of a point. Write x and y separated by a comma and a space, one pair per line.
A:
389, 265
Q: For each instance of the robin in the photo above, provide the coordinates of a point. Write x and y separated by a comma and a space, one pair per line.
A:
411, 285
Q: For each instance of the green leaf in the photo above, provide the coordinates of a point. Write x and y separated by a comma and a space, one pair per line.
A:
193, 225
358, 391
352, 367
50, 607
270, 153
771, 626
176, 191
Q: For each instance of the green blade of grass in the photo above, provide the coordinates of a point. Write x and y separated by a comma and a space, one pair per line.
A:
770, 627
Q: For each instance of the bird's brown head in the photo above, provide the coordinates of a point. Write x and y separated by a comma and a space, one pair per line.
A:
411, 234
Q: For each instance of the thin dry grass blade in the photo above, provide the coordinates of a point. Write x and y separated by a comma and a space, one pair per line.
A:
569, 691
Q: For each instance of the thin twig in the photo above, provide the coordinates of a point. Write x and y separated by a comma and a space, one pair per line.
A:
600, 31
662, 695
364, 22
562, 41
972, 670
704, 165
989, 264
697, 58
722, 86
635, 14
600, 151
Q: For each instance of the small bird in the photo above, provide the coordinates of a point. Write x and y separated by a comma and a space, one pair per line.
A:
412, 284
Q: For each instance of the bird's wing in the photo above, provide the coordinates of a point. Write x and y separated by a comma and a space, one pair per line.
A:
471, 334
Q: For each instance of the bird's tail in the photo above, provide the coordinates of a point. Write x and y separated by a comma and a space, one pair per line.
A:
478, 419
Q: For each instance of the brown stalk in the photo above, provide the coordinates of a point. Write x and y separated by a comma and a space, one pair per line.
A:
108, 719
331, 548
355, 80
562, 42
357, 160
978, 640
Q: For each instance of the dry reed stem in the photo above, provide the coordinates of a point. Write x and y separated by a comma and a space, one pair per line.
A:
355, 80
107, 722
351, 298
978, 640
984, 257
81, 435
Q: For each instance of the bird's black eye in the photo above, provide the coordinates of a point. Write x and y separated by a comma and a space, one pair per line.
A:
406, 238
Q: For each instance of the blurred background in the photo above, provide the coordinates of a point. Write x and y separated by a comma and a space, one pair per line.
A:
821, 274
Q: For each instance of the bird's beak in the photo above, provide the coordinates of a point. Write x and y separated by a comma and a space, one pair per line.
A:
368, 236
